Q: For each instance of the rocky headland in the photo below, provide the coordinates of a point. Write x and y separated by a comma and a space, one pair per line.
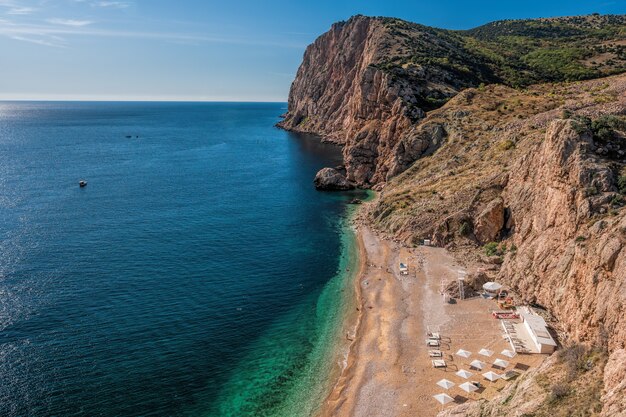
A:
505, 144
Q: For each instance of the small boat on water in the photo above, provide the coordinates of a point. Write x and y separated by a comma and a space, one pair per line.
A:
82, 183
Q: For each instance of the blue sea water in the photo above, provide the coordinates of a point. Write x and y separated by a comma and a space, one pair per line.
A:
198, 272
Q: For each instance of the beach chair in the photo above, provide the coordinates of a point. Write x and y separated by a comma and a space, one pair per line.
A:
432, 343
434, 335
435, 353
439, 363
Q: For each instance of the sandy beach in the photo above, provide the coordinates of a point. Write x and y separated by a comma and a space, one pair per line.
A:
388, 370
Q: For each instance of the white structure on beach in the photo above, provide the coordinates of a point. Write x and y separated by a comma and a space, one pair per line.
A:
538, 331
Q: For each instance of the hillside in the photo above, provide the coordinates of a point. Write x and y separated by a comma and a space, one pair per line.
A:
532, 184
506, 144
368, 81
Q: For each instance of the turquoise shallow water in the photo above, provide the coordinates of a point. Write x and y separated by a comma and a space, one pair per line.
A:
198, 273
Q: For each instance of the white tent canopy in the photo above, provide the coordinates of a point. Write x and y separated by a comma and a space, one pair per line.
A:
468, 387
492, 286
445, 384
463, 353
443, 398
492, 376
485, 352
477, 364
507, 353
464, 374
501, 363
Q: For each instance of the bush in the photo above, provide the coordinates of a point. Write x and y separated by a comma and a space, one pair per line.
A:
465, 228
574, 359
606, 125
621, 183
506, 144
559, 391
491, 249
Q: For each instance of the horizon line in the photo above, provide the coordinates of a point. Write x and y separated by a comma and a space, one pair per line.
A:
70, 100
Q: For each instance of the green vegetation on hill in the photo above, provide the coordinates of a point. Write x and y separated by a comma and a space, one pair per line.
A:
513, 52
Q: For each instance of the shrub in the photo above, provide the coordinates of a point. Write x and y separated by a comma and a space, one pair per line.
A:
617, 200
491, 249
465, 228
581, 239
589, 191
559, 391
574, 359
506, 144
621, 183
566, 114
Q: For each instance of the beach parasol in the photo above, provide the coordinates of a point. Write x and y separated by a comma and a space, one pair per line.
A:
443, 399
507, 353
445, 384
463, 353
492, 376
492, 286
464, 374
485, 352
477, 364
501, 363
468, 387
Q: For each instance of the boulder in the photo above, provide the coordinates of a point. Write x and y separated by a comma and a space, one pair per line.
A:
330, 179
490, 221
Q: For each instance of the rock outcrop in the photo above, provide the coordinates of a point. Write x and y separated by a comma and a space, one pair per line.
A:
368, 81
330, 179
531, 178
490, 221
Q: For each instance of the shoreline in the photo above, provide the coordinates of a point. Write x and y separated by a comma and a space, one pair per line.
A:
351, 324
388, 371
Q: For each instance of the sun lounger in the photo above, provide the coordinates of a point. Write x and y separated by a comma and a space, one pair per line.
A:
439, 363
435, 353
434, 335
432, 343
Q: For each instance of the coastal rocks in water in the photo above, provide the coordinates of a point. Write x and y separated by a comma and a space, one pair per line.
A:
330, 179
490, 221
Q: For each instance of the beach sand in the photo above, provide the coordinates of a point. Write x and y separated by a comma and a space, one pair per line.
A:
388, 371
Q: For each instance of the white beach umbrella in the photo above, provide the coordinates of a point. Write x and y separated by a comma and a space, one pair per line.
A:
508, 353
477, 364
464, 374
492, 376
463, 353
485, 352
468, 387
443, 398
445, 384
501, 363
492, 286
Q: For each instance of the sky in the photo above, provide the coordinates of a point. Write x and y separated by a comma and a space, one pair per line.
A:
203, 50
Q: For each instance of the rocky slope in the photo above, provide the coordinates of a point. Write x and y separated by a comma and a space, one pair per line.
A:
537, 178
368, 81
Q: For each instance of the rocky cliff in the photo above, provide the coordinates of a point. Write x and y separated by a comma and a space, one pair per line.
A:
367, 82
535, 179
506, 144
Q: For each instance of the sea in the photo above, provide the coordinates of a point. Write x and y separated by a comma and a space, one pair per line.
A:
198, 273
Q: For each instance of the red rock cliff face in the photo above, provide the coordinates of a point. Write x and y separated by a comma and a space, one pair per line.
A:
571, 252
341, 93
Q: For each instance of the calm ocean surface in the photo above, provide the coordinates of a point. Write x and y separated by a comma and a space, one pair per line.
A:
199, 273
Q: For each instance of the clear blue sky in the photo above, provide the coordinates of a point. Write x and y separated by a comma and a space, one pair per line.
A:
203, 50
